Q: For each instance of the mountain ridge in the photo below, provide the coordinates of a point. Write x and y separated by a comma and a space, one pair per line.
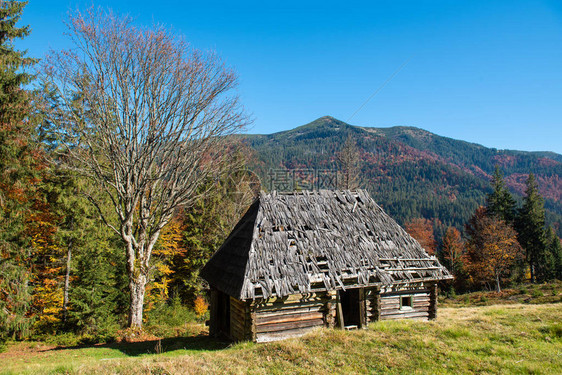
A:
544, 153
411, 171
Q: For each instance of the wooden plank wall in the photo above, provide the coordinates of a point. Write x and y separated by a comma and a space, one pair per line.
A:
390, 305
292, 316
241, 318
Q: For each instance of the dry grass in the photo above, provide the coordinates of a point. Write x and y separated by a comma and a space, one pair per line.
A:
517, 338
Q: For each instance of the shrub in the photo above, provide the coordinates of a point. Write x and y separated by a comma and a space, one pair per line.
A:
537, 293
452, 293
200, 306
165, 318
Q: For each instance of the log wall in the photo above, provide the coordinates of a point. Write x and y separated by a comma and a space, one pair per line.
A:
280, 318
372, 304
241, 317
390, 305
292, 316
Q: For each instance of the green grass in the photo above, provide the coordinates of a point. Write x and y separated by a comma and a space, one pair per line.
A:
514, 338
526, 293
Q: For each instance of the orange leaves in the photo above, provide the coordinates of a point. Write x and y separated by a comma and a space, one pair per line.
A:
422, 230
492, 248
453, 249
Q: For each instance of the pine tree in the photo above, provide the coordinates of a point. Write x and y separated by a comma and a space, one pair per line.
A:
83, 263
16, 174
554, 246
500, 202
531, 228
98, 294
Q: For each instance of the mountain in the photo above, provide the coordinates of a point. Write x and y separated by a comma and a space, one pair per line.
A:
409, 171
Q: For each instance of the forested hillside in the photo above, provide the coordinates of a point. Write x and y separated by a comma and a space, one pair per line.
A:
412, 172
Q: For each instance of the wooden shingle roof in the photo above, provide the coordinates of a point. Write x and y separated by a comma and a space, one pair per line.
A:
305, 242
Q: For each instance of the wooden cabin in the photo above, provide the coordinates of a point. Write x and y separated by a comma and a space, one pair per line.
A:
297, 261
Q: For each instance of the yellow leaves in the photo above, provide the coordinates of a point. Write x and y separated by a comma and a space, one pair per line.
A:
49, 265
169, 245
170, 240
47, 300
200, 306
164, 269
156, 292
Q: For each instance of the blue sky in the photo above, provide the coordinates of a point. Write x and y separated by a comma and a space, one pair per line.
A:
488, 72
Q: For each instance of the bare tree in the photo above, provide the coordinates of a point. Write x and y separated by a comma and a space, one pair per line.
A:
147, 118
348, 158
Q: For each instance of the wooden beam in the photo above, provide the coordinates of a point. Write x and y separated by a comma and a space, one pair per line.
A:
276, 327
339, 313
289, 318
433, 301
330, 312
362, 309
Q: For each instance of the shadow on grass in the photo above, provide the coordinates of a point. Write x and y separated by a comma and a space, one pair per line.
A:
194, 343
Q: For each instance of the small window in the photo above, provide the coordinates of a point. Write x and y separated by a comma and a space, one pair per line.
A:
406, 303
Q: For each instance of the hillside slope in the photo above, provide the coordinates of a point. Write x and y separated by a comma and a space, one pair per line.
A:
518, 339
412, 172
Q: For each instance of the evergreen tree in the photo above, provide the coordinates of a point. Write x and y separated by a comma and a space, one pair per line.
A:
98, 299
84, 262
16, 173
554, 246
500, 202
531, 229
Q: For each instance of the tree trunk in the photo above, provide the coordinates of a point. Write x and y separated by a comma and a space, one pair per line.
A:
498, 288
136, 289
66, 283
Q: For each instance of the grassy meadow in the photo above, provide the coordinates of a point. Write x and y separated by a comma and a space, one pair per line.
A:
511, 337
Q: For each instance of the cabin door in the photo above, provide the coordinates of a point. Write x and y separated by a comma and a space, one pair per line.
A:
351, 308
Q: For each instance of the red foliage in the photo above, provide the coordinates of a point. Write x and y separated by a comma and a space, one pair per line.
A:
422, 230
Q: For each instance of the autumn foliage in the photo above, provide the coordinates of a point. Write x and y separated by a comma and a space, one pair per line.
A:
492, 249
453, 250
200, 306
422, 230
